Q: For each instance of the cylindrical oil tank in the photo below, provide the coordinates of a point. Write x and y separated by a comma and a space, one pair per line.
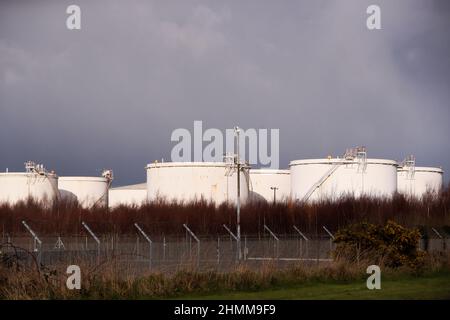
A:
187, 181
133, 195
88, 191
332, 178
418, 181
20, 186
269, 185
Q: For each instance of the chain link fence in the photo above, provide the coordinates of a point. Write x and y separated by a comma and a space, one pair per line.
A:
172, 253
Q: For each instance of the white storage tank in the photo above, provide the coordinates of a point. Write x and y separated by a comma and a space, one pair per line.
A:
354, 175
269, 185
419, 181
35, 183
132, 195
186, 181
88, 191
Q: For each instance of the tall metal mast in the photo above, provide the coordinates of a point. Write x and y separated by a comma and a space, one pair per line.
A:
238, 199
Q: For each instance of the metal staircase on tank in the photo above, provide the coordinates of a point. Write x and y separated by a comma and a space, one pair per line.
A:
231, 165
350, 154
361, 157
229, 160
39, 169
409, 163
320, 182
109, 175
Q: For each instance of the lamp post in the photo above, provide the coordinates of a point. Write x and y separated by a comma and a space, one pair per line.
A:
238, 198
274, 193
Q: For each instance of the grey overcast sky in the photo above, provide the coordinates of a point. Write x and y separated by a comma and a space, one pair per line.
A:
110, 95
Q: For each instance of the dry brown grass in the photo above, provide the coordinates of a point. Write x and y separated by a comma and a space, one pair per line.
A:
161, 217
111, 281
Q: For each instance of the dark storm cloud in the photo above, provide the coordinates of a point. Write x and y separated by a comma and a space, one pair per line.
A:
110, 94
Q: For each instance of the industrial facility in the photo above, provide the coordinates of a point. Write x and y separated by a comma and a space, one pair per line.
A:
306, 180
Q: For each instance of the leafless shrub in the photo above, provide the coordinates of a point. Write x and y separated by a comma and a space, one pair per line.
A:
163, 217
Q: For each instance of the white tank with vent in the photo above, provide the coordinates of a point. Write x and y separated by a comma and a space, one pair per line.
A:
35, 183
187, 181
88, 191
352, 175
269, 185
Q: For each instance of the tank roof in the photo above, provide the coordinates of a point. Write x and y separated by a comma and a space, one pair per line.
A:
139, 186
48, 174
186, 164
342, 160
423, 169
269, 171
81, 178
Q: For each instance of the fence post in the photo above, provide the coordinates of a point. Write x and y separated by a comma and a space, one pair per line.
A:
218, 251
112, 244
35, 241
277, 241
331, 238
149, 243
245, 247
198, 243
137, 246
440, 237
164, 248
94, 237
232, 235
301, 240
358, 253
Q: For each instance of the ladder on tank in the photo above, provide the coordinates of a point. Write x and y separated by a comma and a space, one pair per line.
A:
361, 156
109, 176
409, 163
320, 182
40, 171
229, 160
350, 154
